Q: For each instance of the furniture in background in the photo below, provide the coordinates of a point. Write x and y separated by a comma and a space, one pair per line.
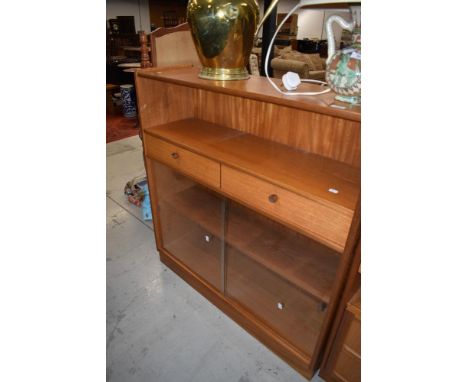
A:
144, 49
167, 13
308, 46
310, 66
344, 363
255, 199
289, 29
173, 46
170, 19
120, 33
119, 44
342, 358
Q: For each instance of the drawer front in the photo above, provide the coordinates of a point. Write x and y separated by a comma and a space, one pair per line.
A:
348, 367
344, 362
353, 337
292, 313
187, 162
322, 223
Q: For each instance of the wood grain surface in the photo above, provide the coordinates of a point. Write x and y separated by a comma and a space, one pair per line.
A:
309, 124
296, 358
268, 146
318, 133
198, 167
258, 88
316, 220
302, 172
300, 318
344, 364
306, 264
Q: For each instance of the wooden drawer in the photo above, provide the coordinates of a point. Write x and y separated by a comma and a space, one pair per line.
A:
344, 361
196, 166
348, 367
292, 313
353, 337
314, 219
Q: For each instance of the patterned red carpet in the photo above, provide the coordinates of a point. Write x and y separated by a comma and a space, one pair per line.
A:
119, 127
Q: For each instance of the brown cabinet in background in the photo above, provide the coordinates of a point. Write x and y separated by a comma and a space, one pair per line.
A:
344, 362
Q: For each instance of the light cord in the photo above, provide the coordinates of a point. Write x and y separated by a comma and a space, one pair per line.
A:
302, 80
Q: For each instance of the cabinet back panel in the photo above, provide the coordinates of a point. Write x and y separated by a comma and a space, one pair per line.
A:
332, 137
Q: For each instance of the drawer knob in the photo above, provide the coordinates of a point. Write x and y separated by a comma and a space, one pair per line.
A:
273, 198
280, 306
207, 238
175, 155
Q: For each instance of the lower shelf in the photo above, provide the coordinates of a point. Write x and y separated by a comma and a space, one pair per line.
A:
295, 315
299, 360
274, 281
196, 248
292, 313
303, 262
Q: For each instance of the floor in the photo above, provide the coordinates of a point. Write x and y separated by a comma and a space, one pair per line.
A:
158, 328
119, 127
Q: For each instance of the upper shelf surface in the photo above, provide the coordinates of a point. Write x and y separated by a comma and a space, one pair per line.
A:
258, 88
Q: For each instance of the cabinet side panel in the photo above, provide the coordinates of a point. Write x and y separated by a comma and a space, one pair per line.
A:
162, 102
321, 134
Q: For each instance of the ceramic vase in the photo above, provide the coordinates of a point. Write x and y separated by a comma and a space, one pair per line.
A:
127, 95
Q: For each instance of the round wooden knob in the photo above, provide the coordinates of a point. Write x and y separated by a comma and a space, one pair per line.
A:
175, 155
273, 198
280, 306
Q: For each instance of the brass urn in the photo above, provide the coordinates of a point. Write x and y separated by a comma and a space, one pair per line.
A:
223, 32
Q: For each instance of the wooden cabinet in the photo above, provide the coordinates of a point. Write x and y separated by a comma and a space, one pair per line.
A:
255, 200
344, 362
342, 355
289, 29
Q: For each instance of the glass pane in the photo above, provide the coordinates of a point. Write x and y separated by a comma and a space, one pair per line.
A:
283, 277
191, 223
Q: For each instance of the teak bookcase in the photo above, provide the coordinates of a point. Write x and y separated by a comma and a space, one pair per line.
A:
255, 200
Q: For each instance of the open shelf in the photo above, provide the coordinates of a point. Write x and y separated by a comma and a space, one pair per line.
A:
301, 261
306, 174
259, 290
